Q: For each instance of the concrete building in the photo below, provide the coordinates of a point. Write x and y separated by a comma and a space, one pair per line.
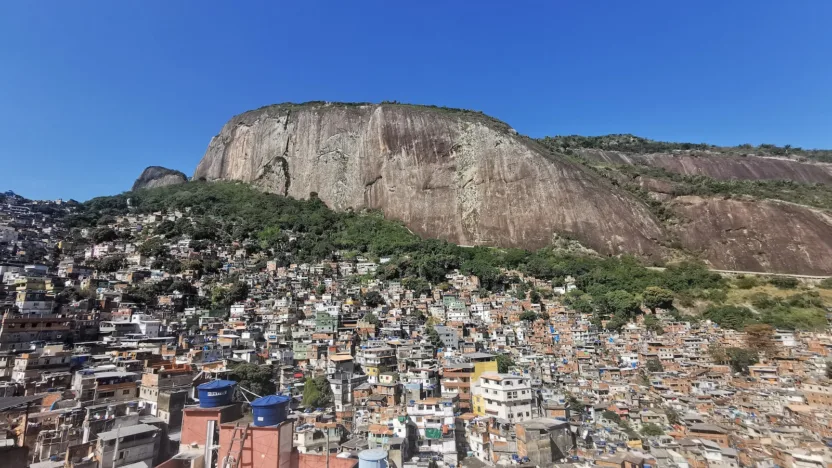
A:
504, 396
543, 440
128, 445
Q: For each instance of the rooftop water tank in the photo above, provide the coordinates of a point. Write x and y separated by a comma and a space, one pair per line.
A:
270, 410
216, 393
373, 458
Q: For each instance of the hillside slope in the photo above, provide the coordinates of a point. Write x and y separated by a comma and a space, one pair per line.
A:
453, 175
745, 208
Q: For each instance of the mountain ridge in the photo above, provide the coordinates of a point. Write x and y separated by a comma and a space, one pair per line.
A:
468, 178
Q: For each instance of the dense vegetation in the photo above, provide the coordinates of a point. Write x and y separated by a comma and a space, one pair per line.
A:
633, 144
801, 311
614, 289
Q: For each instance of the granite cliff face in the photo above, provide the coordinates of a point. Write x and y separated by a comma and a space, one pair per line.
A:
157, 176
454, 175
467, 178
755, 235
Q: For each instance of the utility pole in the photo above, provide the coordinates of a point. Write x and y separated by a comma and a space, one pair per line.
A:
327, 447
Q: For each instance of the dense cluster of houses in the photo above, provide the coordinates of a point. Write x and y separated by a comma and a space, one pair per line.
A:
443, 378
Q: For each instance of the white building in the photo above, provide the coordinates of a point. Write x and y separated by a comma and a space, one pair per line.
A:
33, 303
238, 311
505, 396
459, 314
148, 326
482, 310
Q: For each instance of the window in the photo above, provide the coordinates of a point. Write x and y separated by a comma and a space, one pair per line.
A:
125, 392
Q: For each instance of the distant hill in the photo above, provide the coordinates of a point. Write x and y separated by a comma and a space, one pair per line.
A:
157, 176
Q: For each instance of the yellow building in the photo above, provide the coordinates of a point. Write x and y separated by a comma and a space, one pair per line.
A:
482, 362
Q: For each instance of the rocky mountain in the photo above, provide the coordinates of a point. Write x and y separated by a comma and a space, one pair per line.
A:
470, 179
455, 175
157, 176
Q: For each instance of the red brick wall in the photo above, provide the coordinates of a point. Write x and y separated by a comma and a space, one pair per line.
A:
195, 422
265, 447
309, 460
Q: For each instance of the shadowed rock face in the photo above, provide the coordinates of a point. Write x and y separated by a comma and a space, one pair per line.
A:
749, 235
453, 175
721, 166
157, 176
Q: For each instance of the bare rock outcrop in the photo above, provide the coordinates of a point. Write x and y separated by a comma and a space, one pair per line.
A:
469, 179
157, 176
756, 235
454, 175
721, 166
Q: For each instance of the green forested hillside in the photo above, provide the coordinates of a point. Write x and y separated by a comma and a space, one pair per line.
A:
298, 231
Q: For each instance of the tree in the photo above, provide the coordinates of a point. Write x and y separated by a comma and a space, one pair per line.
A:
504, 363
611, 416
372, 319
528, 316
621, 303
760, 338
733, 317
433, 337
653, 324
651, 430
673, 416
575, 405
581, 303
316, 392
657, 298
70, 294
225, 296
534, 297
654, 365
740, 359
103, 234
256, 379
520, 291
110, 264
717, 353
373, 299
829, 369
617, 322
153, 247
418, 285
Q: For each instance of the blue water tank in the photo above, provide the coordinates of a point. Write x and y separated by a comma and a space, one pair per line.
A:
270, 410
216, 393
373, 458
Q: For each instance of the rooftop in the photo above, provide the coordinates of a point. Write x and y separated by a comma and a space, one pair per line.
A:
127, 431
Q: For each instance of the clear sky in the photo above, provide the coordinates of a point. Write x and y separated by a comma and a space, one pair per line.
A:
93, 91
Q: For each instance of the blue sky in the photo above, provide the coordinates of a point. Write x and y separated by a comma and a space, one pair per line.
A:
92, 92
